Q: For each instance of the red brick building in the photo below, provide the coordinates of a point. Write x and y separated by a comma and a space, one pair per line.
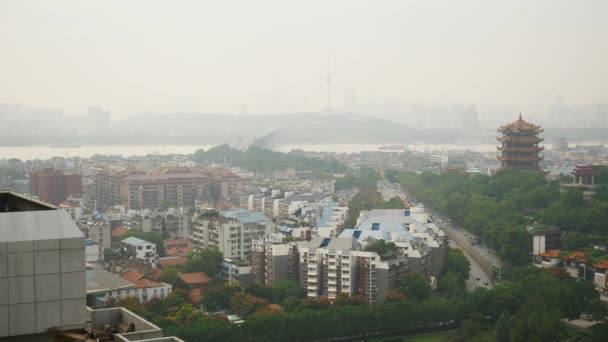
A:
54, 186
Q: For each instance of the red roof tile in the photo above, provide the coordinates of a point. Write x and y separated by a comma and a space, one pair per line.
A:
601, 265
553, 253
131, 275
155, 273
178, 261
577, 256
195, 278
138, 279
176, 242
145, 283
119, 231
178, 251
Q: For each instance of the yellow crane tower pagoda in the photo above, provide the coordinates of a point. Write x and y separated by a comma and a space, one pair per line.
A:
519, 150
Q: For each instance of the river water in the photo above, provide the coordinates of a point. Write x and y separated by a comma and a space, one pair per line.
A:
86, 151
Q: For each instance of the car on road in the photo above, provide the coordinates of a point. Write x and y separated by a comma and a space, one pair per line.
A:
485, 283
477, 278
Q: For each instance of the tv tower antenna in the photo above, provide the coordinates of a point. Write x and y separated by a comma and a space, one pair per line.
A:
329, 82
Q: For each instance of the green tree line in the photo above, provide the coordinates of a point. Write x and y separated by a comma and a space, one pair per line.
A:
264, 161
499, 208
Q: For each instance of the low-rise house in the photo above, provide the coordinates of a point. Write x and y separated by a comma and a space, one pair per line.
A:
102, 285
133, 247
575, 263
550, 258
145, 288
196, 283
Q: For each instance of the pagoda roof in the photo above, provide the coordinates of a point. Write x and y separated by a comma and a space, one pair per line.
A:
520, 125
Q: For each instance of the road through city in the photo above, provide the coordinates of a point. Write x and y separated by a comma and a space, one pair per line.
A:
483, 260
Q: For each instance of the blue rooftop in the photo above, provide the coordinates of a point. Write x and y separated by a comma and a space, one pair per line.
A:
375, 226
133, 241
325, 242
285, 229
244, 215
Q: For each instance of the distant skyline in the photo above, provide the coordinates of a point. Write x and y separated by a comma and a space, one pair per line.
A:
133, 57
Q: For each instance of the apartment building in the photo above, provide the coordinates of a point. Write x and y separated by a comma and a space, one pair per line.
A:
272, 261
279, 207
106, 187
237, 270
330, 266
178, 187
54, 186
176, 223
97, 230
230, 231
417, 239
147, 220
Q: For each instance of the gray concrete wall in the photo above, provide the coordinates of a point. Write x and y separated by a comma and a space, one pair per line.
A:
381, 284
279, 267
42, 285
113, 316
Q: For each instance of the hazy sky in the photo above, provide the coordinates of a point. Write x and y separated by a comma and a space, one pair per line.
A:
222, 56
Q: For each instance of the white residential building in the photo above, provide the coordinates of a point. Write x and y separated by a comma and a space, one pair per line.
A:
330, 266
103, 285
133, 247
230, 231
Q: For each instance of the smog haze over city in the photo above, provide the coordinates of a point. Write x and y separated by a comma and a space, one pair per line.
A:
422, 64
278, 170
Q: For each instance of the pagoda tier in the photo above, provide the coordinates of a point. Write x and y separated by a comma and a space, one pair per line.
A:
520, 158
519, 150
516, 149
525, 139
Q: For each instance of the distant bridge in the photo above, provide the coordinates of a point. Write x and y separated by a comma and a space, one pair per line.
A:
258, 140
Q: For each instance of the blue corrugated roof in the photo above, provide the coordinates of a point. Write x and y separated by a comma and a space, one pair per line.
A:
356, 234
375, 226
325, 242
285, 229
134, 241
244, 215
